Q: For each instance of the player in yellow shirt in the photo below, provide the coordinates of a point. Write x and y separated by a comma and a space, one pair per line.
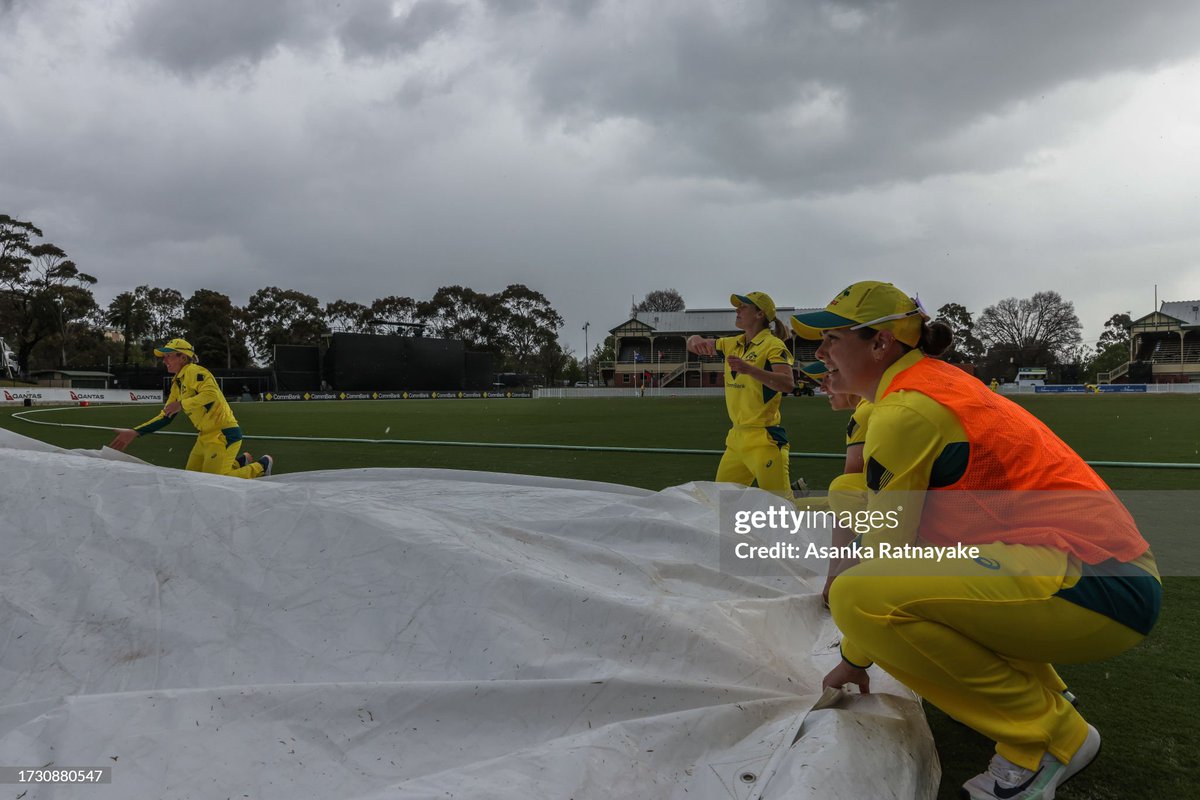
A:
1062, 574
847, 492
195, 392
758, 371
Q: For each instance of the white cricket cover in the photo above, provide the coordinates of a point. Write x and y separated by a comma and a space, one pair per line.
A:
408, 633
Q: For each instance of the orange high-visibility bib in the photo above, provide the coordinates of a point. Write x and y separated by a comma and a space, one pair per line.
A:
1023, 484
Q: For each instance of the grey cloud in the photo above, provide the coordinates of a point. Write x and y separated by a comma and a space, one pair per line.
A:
373, 31
419, 88
195, 37
12, 10
576, 9
511, 8
823, 97
580, 9
515, 147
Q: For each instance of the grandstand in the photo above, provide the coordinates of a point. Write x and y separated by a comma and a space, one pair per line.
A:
1164, 347
651, 348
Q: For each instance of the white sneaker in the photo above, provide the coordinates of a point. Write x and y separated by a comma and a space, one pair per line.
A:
267, 463
1005, 780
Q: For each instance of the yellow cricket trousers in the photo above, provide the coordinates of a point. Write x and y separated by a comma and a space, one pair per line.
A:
215, 451
977, 638
756, 454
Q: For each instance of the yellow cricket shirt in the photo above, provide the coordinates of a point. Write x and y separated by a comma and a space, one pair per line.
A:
856, 429
200, 396
750, 403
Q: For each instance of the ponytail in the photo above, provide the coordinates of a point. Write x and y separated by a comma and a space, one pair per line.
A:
936, 338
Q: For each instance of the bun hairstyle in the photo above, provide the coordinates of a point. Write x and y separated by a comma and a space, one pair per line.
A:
936, 338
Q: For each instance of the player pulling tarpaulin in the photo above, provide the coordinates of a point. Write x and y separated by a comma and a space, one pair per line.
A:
195, 392
1064, 574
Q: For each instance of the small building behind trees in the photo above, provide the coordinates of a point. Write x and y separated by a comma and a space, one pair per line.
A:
651, 347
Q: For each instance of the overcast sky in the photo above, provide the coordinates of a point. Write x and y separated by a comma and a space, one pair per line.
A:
594, 150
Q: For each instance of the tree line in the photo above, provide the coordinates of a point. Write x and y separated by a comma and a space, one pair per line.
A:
50, 316
1039, 331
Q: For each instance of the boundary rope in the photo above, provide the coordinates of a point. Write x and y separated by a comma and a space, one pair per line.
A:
21, 415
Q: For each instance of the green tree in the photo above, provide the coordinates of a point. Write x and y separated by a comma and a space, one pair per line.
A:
43, 295
164, 312
1112, 349
551, 361
605, 351
91, 344
127, 313
16, 240
1116, 332
661, 300
1106, 361
282, 316
213, 326
19, 322
457, 312
573, 369
393, 309
78, 322
1039, 331
346, 316
966, 347
63, 291
527, 325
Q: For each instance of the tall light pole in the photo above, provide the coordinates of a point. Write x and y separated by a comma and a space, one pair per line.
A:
587, 379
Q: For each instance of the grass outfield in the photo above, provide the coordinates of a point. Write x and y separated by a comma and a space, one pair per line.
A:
1146, 702
1108, 428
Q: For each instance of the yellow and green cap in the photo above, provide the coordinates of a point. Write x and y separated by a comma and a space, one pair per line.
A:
176, 346
816, 370
760, 300
866, 304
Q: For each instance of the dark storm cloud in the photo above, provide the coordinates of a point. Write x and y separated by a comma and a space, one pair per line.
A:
373, 31
508, 8
419, 88
11, 10
577, 9
193, 38
798, 97
825, 97
596, 149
